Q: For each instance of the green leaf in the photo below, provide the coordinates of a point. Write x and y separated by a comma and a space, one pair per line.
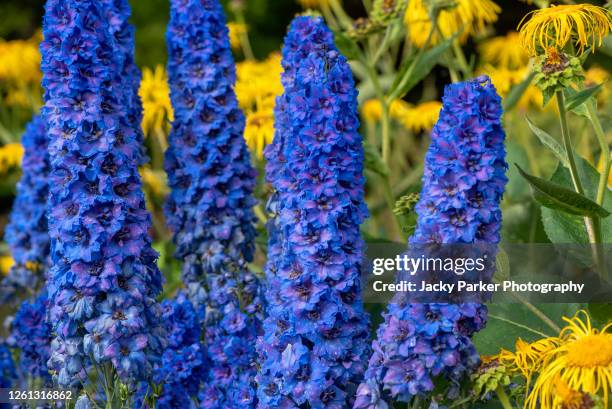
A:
412, 71
555, 196
515, 94
347, 46
550, 142
507, 322
561, 227
581, 97
373, 161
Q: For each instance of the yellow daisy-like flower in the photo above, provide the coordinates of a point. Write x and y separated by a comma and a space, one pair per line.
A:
20, 61
6, 262
257, 86
595, 76
527, 357
504, 52
583, 360
11, 155
469, 17
371, 110
584, 25
259, 130
600, 168
236, 31
422, 117
155, 94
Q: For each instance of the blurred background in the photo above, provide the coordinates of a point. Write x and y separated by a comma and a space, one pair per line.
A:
257, 28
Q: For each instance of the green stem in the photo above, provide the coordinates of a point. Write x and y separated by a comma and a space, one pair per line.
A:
535, 310
245, 43
605, 152
567, 142
345, 21
517, 324
461, 60
503, 398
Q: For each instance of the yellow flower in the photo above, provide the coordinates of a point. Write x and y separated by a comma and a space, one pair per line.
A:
10, 157
468, 17
311, 4
20, 61
257, 86
584, 25
600, 168
6, 262
372, 110
236, 31
155, 94
583, 360
421, 117
504, 52
527, 357
259, 130
155, 181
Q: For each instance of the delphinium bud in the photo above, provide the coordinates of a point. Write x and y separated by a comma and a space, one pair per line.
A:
463, 183
104, 279
27, 232
210, 209
315, 345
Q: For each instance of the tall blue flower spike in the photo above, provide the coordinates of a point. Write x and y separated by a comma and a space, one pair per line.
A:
104, 279
27, 232
315, 347
31, 334
463, 184
119, 14
210, 208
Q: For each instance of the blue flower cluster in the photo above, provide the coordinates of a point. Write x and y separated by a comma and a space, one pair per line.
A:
315, 347
31, 333
463, 184
7, 367
118, 17
27, 232
183, 367
210, 206
104, 278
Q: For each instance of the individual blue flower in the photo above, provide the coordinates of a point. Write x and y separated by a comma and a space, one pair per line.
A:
31, 334
27, 232
210, 206
314, 350
463, 184
104, 280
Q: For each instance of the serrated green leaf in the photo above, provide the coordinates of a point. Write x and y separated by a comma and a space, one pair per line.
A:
581, 97
515, 94
413, 71
550, 142
555, 196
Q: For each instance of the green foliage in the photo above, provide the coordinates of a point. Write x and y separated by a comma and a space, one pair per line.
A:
556, 196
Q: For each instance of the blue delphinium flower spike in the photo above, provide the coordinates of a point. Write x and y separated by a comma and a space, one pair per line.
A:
210, 206
183, 367
463, 184
104, 279
118, 17
315, 347
27, 232
31, 334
